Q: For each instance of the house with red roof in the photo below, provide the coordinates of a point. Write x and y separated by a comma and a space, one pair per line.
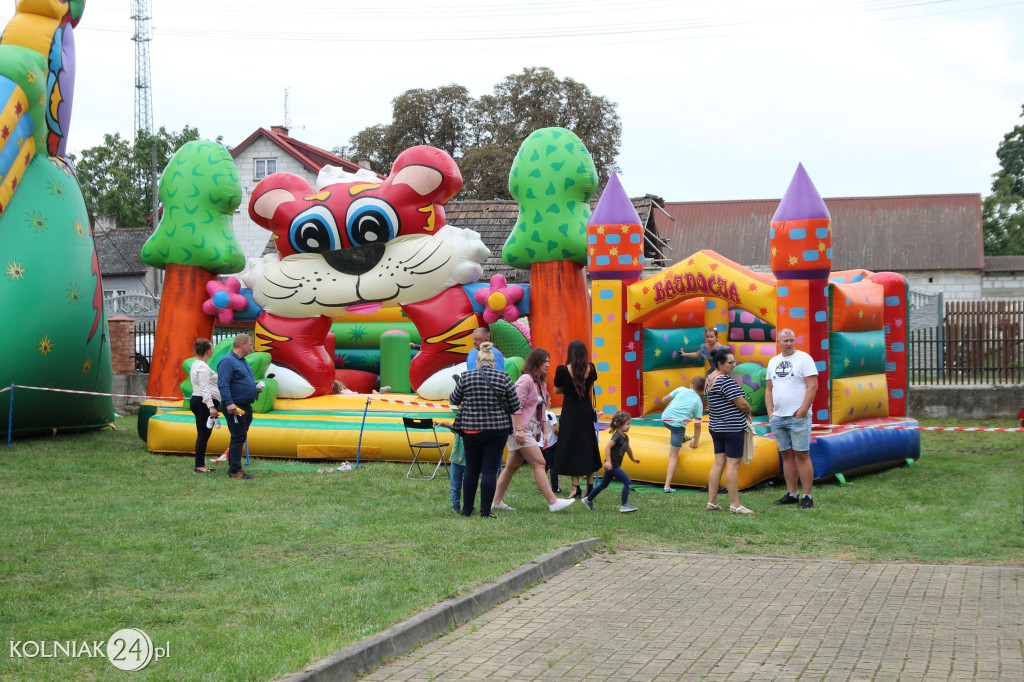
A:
274, 151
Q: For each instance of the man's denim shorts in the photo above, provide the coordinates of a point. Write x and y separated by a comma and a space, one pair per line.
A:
792, 433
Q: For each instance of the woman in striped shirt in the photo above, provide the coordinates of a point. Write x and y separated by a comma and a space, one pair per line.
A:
729, 413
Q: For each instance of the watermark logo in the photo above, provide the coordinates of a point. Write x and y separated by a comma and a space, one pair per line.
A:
127, 649
130, 649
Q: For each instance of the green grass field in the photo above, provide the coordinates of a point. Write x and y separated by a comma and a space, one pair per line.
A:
254, 579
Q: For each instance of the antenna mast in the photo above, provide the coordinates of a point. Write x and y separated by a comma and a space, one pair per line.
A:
143, 91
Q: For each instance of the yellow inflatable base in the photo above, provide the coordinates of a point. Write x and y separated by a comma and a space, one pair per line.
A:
332, 428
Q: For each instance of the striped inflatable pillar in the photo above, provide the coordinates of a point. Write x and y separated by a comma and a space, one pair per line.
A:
897, 330
857, 352
800, 241
615, 259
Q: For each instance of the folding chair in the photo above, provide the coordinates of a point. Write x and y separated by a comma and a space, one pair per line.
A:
423, 424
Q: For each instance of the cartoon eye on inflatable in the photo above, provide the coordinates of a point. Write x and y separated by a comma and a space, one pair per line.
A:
314, 231
371, 221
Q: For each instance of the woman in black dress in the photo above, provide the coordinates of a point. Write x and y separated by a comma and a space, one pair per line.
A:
577, 451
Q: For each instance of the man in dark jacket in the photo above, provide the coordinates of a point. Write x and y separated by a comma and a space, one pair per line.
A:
238, 391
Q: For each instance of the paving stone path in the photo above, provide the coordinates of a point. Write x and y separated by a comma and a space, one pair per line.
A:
669, 616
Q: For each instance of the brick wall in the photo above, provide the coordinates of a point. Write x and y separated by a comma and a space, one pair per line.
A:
122, 344
955, 285
1003, 285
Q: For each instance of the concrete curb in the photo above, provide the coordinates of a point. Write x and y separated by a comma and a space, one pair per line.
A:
371, 652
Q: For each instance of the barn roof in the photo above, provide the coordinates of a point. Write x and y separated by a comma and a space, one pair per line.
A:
901, 233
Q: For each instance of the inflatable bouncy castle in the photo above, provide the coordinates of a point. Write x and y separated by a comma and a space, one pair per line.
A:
372, 287
51, 297
853, 324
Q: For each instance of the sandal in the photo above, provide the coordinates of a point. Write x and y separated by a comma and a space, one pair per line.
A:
205, 470
740, 510
713, 507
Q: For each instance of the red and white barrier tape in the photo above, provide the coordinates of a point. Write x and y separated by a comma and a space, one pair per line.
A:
819, 427
896, 427
443, 406
67, 390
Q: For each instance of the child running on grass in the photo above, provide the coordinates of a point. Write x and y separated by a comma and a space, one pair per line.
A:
614, 449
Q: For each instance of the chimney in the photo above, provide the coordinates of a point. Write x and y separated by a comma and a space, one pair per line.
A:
103, 223
280, 130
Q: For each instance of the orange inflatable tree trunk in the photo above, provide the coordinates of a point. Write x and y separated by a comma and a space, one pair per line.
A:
181, 322
560, 309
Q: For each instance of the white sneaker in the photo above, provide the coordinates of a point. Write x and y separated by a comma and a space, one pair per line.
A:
502, 505
626, 508
561, 504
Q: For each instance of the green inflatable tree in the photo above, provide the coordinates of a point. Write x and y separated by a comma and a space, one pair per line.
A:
194, 241
553, 178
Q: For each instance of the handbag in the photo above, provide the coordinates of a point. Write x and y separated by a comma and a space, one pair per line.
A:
748, 444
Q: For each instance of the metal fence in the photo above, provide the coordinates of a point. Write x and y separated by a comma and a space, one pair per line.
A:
978, 342
134, 305
145, 333
938, 360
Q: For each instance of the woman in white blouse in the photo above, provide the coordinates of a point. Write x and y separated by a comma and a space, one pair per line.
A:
205, 400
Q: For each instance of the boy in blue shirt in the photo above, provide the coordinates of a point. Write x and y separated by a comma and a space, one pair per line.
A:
685, 405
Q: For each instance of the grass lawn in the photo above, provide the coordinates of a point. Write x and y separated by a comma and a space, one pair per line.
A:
254, 579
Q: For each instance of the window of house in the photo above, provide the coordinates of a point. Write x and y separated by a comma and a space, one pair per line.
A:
264, 167
110, 293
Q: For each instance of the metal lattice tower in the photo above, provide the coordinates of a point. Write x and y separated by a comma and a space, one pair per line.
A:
143, 91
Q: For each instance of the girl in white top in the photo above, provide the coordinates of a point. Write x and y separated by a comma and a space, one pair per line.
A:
205, 400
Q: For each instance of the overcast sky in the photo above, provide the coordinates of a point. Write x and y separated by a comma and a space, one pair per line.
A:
718, 99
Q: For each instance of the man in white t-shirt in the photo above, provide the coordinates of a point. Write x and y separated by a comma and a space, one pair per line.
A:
789, 394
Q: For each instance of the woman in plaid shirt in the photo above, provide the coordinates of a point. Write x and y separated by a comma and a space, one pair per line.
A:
488, 407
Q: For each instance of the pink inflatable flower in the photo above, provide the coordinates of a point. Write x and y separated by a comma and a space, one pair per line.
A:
224, 299
499, 300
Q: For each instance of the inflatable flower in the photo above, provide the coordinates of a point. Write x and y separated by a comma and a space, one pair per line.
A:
224, 299
499, 300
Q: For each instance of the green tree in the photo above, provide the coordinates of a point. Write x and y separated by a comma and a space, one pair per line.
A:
483, 135
1003, 210
116, 175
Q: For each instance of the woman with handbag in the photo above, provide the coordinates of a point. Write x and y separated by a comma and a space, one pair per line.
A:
205, 401
578, 454
729, 413
488, 407
525, 444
